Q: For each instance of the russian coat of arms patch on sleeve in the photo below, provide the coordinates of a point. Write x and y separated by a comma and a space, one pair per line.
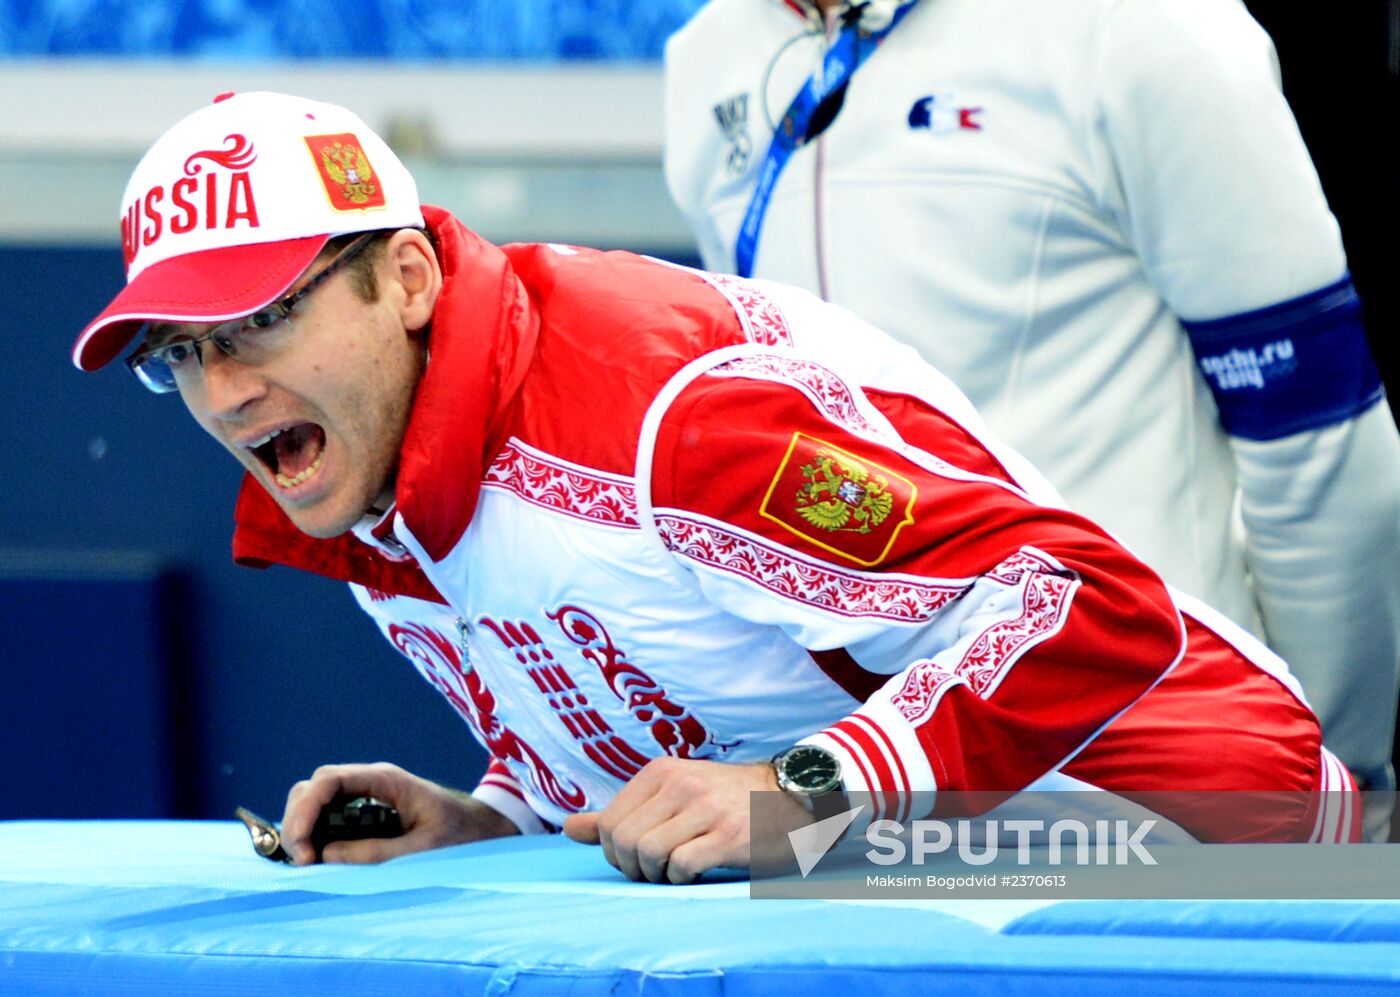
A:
842, 503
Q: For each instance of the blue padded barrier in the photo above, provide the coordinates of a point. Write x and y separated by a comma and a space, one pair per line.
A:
1315, 920
168, 907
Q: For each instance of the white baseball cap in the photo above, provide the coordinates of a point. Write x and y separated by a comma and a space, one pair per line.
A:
233, 203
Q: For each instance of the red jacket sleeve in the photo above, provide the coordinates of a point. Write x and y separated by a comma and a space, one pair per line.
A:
1011, 633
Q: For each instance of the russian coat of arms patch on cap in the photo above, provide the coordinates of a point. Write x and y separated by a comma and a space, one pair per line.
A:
842, 503
346, 172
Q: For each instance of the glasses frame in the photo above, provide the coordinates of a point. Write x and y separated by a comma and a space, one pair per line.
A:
222, 335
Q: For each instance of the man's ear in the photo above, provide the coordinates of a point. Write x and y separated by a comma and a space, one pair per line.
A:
412, 264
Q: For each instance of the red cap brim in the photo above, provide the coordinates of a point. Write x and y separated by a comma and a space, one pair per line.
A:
210, 286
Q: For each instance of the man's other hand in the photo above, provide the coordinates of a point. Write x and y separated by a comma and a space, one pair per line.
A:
433, 816
678, 818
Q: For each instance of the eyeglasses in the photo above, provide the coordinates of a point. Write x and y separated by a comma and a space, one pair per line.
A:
252, 339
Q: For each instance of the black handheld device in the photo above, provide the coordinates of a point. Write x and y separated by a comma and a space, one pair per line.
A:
344, 818
350, 818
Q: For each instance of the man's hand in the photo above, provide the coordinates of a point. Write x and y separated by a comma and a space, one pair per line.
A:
678, 818
433, 816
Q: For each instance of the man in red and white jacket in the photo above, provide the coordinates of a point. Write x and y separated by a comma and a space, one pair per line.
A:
645, 527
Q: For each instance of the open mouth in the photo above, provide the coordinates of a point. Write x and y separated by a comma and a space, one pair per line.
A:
294, 454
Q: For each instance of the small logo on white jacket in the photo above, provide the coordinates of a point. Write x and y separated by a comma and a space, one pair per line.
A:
941, 113
733, 118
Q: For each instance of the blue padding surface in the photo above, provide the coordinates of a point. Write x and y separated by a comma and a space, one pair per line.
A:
186, 908
1314, 920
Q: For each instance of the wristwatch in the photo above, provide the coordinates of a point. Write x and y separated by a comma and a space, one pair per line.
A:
812, 776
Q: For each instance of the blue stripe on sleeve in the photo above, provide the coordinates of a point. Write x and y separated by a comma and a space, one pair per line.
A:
1297, 365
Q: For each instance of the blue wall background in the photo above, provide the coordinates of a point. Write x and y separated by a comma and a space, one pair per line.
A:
313, 29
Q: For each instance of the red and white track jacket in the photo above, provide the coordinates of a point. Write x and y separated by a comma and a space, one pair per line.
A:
645, 511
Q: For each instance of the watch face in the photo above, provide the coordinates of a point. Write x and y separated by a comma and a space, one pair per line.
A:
809, 769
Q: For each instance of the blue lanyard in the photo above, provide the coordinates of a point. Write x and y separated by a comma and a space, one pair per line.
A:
845, 56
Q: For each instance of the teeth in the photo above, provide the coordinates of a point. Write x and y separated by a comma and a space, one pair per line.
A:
270, 436
305, 475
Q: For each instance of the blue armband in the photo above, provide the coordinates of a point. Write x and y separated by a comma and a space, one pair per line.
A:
1298, 365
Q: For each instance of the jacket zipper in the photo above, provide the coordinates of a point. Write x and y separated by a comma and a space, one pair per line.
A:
818, 176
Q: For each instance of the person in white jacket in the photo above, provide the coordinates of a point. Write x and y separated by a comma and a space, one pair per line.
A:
1100, 220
